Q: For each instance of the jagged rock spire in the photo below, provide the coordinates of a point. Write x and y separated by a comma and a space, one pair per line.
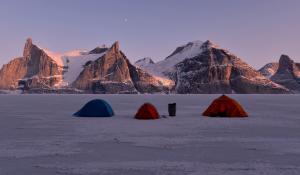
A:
29, 41
208, 44
285, 64
287, 74
115, 47
27, 48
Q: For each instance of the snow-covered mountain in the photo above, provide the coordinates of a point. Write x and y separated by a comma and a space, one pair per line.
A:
203, 67
73, 63
101, 70
145, 62
166, 66
269, 69
113, 73
196, 67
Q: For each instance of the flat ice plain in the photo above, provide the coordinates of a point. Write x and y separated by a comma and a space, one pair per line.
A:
39, 136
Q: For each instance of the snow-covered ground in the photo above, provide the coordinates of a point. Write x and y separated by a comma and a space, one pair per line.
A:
39, 136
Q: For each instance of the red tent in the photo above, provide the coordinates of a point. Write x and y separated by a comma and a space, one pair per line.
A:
147, 112
225, 107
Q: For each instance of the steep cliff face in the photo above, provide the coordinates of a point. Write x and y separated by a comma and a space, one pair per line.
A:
288, 74
38, 62
108, 74
113, 73
146, 83
204, 74
245, 79
12, 72
35, 69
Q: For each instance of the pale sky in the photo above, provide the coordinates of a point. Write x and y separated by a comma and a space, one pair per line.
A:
258, 31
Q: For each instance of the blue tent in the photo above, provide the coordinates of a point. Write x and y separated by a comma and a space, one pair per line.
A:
95, 108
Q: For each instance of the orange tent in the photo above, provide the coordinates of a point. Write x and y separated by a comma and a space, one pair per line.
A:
225, 107
147, 112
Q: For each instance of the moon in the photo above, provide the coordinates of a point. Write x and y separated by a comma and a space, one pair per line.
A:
125, 20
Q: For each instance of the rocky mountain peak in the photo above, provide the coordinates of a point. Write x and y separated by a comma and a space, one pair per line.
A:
149, 60
115, 47
208, 44
34, 70
113, 73
204, 67
27, 48
269, 69
29, 41
190, 49
287, 74
285, 64
195, 67
144, 62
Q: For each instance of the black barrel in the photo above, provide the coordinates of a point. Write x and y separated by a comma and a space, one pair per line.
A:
172, 109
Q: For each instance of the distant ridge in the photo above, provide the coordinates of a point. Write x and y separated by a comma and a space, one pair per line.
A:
193, 68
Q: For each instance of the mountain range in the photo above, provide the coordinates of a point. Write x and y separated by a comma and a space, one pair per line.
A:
194, 68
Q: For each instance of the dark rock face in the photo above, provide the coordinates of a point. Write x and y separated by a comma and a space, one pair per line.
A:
199, 75
35, 65
38, 82
288, 74
98, 50
286, 65
146, 83
113, 73
217, 71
